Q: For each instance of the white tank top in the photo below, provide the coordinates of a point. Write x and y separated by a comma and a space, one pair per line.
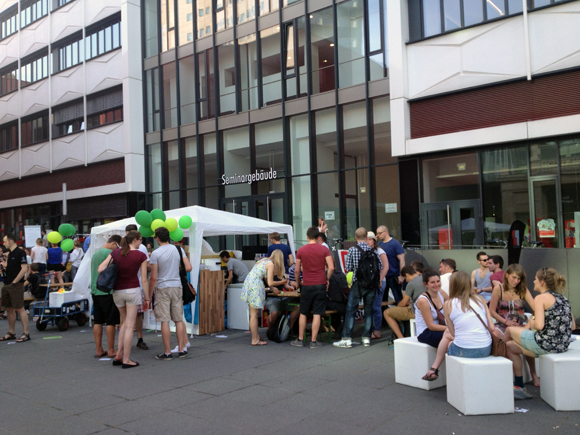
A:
420, 324
469, 332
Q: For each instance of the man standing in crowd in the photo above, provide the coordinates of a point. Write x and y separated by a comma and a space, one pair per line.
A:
237, 270
357, 292
166, 284
139, 320
321, 240
104, 309
39, 254
15, 268
396, 256
446, 268
495, 265
286, 251
480, 277
311, 259
405, 310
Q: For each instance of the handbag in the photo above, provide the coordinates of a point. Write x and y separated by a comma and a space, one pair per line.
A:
440, 316
189, 293
498, 346
108, 277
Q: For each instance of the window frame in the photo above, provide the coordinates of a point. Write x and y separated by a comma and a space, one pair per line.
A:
12, 68
43, 115
99, 38
32, 61
9, 15
32, 7
4, 129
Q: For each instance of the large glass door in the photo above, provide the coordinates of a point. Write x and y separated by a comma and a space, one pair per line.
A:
453, 224
546, 211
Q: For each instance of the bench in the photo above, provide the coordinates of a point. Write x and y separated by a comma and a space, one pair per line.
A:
477, 386
412, 361
560, 377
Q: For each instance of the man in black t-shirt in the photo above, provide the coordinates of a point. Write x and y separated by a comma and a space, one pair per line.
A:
15, 267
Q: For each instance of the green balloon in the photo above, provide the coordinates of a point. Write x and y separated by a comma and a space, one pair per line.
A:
176, 235
171, 224
158, 214
146, 231
66, 230
67, 245
54, 237
143, 218
157, 223
185, 222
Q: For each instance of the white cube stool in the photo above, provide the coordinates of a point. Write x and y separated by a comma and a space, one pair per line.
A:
560, 377
478, 386
413, 360
574, 343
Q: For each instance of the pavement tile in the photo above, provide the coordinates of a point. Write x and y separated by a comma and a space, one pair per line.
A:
173, 399
256, 394
218, 386
295, 384
124, 412
71, 424
162, 422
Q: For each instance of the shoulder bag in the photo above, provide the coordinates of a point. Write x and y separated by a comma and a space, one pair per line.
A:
189, 293
498, 346
108, 277
440, 316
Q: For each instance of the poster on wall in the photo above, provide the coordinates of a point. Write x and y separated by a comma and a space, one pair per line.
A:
546, 228
328, 215
31, 233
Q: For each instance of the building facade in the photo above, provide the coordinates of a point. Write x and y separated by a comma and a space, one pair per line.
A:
71, 102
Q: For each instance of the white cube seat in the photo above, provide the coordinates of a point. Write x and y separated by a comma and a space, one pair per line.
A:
412, 362
560, 377
574, 342
478, 386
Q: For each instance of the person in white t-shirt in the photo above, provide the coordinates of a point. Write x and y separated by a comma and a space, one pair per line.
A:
139, 320
38, 255
75, 258
446, 267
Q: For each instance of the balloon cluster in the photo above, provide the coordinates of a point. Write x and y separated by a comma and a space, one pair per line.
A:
64, 230
149, 222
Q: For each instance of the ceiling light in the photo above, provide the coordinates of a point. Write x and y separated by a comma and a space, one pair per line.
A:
332, 45
325, 60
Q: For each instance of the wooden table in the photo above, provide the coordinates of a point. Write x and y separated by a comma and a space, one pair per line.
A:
285, 294
57, 285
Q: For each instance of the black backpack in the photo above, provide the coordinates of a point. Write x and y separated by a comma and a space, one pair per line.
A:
368, 274
280, 329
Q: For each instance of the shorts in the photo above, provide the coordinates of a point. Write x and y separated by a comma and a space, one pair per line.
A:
130, 296
140, 309
55, 267
273, 304
105, 311
401, 314
463, 352
432, 338
313, 298
530, 344
169, 304
13, 295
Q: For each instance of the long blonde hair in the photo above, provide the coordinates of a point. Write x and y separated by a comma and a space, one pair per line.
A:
460, 288
553, 280
521, 288
278, 259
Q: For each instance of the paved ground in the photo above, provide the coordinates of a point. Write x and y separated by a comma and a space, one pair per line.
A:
54, 385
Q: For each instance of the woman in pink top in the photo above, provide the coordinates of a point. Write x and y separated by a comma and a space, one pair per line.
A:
127, 292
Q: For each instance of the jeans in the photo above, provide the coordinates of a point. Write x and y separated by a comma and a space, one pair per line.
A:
455, 350
73, 272
377, 307
393, 284
354, 297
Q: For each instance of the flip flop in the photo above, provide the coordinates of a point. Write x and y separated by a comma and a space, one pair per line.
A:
102, 355
260, 343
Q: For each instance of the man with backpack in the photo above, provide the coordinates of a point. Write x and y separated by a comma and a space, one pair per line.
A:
365, 265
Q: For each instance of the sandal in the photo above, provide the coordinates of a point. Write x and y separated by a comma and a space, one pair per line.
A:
8, 336
433, 377
262, 342
23, 338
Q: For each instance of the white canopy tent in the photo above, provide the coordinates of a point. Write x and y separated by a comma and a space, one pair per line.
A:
207, 222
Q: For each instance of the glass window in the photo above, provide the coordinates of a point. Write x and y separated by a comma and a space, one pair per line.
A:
237, 161
328, 206
34, 68
191, 162
248, 71
34, 129
151, 37
192, 197
378, 41
450, 178
155, 172
472, 12
105, 107
299, 145
431, 17
358, 201
505, 191
9, 79
67, 54
227, 78
295, 68
351, 45
452, 11
167, 25
103, 37
9, 137
170, 95
31, 11
354, 136
185, 15
174, 200
301, 208
204, 17
187, 90
267, 6
210, 164
544, 159
382, 132
152, 100
271, 68
387, 214
514, 6
172, 168
246, 10
9, 22
68, 118
322, 50
270, 147
570, 180
206, 94
495, 9
326, 141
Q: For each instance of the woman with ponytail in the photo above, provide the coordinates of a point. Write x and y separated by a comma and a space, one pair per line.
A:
548, 331
127, 291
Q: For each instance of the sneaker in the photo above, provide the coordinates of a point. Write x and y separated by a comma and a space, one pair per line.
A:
141, 345
345, 342
315, 344
521, 393
183, 354
297, 343
164, 357
366, 341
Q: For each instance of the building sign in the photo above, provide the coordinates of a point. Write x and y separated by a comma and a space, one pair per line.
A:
249, 178
391, 208
547, 228
328, 215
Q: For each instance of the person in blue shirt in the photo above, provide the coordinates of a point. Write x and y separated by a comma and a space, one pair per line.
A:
54, 262
396, 256
286, 251
87, 244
